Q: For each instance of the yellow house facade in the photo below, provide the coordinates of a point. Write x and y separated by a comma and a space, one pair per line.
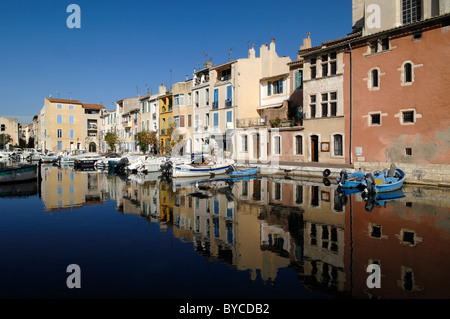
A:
61, 125
165, 121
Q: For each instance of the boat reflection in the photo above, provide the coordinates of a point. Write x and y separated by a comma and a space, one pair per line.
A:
262, 225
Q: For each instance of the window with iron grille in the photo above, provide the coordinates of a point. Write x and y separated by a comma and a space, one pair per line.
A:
411, 11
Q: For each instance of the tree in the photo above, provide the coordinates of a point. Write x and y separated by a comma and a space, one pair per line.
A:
145, 138
112, 139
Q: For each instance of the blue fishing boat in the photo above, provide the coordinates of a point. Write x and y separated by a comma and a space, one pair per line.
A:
244, 172
384, 181
351, 180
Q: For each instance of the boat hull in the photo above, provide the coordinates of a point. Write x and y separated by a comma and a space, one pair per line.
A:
244, 173
17, 174
191, 171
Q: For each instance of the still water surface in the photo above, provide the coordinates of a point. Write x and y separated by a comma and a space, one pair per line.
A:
262, 238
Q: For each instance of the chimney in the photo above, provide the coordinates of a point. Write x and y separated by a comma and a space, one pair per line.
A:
208, 64
251, 52
306, 43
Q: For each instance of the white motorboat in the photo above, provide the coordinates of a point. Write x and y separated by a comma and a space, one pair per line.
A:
207, 169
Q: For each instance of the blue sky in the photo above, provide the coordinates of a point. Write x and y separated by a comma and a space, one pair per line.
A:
123, 47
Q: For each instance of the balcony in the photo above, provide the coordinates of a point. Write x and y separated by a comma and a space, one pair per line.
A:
92, 126
215, 105
228, 103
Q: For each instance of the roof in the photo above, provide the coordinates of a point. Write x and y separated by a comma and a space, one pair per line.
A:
93, 106
358, 36
64, 101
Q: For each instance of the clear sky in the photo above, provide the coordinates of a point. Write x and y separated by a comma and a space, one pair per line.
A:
125, 47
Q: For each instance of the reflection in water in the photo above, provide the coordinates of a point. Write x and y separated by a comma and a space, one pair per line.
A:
263, 225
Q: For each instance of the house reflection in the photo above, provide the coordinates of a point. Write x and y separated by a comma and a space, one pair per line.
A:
262, 225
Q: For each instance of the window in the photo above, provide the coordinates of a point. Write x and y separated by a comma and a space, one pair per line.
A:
375, 119
176, 121
229, 119
333, 103
59, 145
59, 119
374, 78
59, 133
244, 143
373, 46
408, 116
411, 11
207, 96
298, 80
408, 151
277, 145
324, 65
181, 120
408, 78
216, 99
189, 99
70, 107
338, 149
59, 106
229, 96
71, 121
277, 195
312, 106
299, 145
333, 63
329, 104
189, 120
385, 44
216, 119
313, 68
178, 100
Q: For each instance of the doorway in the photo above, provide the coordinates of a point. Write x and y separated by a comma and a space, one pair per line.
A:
314, 148
92, 147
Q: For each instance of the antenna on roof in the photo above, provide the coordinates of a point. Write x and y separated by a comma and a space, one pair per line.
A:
229, 54
170, 84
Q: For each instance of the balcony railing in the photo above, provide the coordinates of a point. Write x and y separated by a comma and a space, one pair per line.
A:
227, 102
215, 105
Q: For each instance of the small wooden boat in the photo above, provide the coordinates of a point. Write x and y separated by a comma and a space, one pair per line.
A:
385, 181
244, 172
19, 173
351, 180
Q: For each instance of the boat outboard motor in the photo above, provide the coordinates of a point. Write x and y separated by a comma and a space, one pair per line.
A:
344, 176
370, 183
370, 204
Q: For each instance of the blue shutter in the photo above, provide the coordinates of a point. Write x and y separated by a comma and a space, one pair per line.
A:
280, 85
269, 88
229, 93
229, 116
216, 99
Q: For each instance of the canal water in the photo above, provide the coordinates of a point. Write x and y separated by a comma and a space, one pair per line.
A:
264, 238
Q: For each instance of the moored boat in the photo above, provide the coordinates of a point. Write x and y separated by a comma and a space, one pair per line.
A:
210, 169
384, 181
244, 172
19, 173
350, 180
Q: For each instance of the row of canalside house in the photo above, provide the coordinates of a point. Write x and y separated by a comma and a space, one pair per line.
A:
377, 95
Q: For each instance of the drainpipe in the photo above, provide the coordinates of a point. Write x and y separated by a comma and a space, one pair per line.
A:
351, 104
